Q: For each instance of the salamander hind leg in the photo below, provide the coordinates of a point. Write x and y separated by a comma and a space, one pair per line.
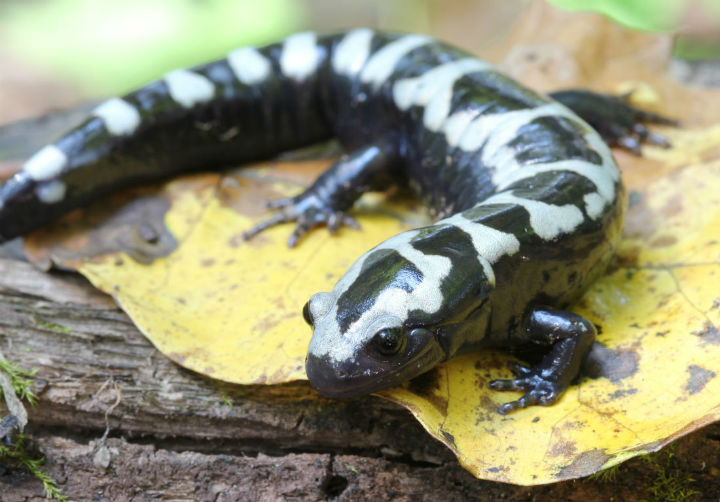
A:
326, 201
618, 122
570, 335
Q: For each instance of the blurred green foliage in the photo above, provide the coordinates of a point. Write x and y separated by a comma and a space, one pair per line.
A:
689, 48
111, 46
661, 15
652, 15
105, 47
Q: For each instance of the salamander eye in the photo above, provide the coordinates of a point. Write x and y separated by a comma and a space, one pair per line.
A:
388, 341
307, 315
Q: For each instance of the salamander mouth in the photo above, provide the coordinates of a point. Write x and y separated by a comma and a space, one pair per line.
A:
365, 375
335, 382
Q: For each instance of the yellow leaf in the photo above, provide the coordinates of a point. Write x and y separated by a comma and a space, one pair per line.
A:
213, 302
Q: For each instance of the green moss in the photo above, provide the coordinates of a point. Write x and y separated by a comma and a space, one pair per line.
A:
52, 326
21, 380
671, 483
608, 475
18, 453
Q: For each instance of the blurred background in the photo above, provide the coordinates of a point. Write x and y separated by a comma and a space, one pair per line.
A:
56, 53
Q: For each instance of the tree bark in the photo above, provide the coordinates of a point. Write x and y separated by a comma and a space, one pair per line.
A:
175, 435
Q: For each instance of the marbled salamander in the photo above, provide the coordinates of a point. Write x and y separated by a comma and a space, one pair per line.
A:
528, 195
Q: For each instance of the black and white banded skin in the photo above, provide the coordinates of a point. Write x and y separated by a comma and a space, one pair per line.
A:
528, 197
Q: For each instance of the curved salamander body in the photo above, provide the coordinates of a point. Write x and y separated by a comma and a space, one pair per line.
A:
528, 195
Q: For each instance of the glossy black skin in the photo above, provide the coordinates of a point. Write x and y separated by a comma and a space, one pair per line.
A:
326, 201
368, 371
618, 123
245, 123
568, 335
475, 315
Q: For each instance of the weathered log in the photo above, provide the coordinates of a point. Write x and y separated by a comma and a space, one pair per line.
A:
89, 355
176, 435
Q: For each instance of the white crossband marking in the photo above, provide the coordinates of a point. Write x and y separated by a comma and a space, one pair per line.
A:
596, 143
249, 66
352, 52
433, 89
598, 174
381, 64
457, 123
594, 204
51, 191
547, 220
498, 129
300, 56
120, 117
46, 164
189, 88
489, 243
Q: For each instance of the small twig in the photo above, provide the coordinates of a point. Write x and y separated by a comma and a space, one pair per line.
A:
118, 398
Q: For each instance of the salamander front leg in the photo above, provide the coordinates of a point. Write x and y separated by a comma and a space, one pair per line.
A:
570, 335
618, 122
326, 201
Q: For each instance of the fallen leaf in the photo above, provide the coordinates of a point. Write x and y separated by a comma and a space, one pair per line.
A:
209, 300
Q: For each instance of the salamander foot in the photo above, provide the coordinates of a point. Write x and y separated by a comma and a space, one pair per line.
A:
569, 336
309, 211
538, 386
618, 122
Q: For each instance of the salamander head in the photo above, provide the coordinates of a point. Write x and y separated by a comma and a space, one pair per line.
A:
379, 325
